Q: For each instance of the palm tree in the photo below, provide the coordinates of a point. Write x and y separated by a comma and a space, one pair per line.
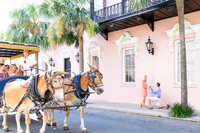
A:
180, 10
27, 27
71, 20
139, 5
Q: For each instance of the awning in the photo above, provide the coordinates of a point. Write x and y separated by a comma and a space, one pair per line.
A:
11, 51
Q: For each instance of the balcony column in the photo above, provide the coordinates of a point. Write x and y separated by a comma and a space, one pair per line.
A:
92, 9
123, 6
104, 4
104, 8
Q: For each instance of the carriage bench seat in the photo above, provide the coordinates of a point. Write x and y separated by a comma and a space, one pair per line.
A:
4, 81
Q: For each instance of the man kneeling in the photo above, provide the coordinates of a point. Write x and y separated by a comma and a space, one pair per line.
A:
156, 97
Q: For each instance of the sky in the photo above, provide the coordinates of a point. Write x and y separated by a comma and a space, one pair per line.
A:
7, 6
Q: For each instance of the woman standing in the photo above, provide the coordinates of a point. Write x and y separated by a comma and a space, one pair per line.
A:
144, 91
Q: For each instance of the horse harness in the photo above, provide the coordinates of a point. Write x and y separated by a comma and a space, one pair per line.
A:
77, 89
93, 76
33, 94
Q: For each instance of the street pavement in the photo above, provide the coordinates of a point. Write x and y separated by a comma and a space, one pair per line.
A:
101, 121
136, 109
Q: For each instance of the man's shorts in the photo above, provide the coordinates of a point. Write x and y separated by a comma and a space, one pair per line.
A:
154, 99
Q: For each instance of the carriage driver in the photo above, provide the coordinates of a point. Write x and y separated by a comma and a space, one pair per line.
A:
28, 63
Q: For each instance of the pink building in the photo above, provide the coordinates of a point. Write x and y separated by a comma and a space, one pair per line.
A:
123, 58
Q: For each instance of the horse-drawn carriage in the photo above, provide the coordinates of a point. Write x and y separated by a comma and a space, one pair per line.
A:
10, 51
40, 90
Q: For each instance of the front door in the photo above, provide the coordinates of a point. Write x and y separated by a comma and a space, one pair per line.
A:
67, 67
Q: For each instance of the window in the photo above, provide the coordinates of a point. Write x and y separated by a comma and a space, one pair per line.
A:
190, 56
67, 67
95, 61
128, 65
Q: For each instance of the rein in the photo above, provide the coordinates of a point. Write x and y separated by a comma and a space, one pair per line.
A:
33, 94
78, 91
91, 74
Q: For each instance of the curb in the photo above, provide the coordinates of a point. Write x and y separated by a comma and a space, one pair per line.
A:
195, 118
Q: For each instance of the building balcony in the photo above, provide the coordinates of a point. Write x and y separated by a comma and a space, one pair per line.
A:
121, 15
123, 8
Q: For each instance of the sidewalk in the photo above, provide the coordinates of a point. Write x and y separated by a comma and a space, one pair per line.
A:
136, 109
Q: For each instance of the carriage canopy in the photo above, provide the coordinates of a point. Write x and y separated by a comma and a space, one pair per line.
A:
11, 51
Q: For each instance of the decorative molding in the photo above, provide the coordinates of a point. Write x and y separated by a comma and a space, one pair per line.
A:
197, 35
189, 28
126, 39
66, 53
94, 47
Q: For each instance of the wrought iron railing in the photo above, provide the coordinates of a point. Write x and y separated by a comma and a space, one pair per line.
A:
120, 9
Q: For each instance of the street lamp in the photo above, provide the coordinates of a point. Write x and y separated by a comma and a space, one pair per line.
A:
149, 46
51, 62
77, 57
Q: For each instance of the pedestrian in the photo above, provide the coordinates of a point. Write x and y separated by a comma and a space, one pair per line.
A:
144, 91
156, 97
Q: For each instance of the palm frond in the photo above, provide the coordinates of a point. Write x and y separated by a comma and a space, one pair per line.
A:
70, 38
60, 26
90, 26
44, 10
138, 5
19, 15
68, 21
22, 35
45, 43
35, 39
33, 12
69, 14
51, 37
43, 26
27, 27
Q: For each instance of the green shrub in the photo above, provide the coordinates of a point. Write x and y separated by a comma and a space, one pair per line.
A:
177, 110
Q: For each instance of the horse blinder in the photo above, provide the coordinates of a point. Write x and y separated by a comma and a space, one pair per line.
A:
93, 76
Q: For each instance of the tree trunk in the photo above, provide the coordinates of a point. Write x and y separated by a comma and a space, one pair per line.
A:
81, 52
180, 10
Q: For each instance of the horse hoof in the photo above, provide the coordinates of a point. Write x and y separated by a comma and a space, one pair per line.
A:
20, 131
6, 130
84, 131
48, 124
65, 128
54, 124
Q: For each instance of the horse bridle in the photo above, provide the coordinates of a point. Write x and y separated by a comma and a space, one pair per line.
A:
49, 81
36, 97
91, 75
